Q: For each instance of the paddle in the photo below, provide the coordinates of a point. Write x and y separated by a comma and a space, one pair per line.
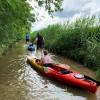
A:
87, 77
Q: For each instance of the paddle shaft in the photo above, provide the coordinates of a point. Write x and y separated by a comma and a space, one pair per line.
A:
87, 77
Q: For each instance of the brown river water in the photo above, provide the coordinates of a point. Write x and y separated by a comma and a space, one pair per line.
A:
18, 81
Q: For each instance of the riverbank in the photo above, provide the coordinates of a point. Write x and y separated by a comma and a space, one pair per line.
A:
6, 45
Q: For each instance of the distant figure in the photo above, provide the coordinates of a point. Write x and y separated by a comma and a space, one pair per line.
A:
39, 42
27, 38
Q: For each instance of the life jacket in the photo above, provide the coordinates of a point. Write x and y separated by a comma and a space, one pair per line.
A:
40, 40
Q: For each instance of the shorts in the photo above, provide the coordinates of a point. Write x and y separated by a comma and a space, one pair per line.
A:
27, 40
40, 46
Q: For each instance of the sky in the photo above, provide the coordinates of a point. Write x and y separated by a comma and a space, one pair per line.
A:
72, 10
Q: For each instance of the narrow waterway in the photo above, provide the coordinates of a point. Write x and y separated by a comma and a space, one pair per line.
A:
18, 81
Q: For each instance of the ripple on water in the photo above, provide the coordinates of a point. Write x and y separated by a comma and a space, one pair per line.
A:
18, 81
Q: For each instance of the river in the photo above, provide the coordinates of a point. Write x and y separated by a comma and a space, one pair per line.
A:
18, 81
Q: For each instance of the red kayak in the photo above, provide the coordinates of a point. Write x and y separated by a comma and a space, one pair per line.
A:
60, 73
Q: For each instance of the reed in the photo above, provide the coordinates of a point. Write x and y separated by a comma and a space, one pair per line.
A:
78, 40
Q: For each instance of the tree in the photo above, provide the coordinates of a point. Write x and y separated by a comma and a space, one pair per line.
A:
16, 16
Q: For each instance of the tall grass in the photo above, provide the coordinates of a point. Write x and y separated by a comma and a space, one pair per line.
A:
78, 40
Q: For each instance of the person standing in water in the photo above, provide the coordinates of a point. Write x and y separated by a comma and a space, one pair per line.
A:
40, 43
27, 38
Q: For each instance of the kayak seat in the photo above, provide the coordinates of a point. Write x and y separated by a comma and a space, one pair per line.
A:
65, 71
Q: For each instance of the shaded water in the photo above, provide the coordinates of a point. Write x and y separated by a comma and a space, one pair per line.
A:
18, 81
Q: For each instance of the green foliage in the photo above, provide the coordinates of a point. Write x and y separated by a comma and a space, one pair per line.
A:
33, 36
15, 21
51, 5
98, 73
79, 40
14, 18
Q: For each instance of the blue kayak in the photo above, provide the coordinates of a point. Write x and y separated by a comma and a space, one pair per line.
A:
31, 47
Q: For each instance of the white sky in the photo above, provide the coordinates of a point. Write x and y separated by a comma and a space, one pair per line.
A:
72, 10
